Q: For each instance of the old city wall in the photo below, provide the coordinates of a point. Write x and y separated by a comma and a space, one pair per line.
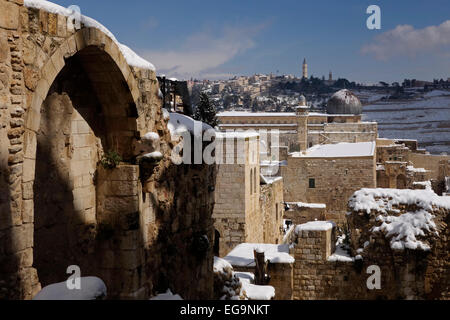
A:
409, 274
52, 133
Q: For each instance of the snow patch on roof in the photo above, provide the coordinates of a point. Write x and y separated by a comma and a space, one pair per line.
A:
315, 226
307, 205
167, 296
242, 255
338, 150
92, 288
221, 265
130, 56
255, 292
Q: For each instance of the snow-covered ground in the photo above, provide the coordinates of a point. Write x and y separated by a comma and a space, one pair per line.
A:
427, 120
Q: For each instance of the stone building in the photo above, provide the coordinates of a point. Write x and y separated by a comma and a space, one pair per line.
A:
329, 174
401, 165
246, 209
315, 127
76, 107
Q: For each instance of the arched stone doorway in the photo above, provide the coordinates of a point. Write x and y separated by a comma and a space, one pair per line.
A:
401, 182
88, 108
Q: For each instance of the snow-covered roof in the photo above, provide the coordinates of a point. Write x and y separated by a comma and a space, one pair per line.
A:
242, 255
307, 205
255, 114
315, 226
255, 292
237, 134
130, 56
338, 150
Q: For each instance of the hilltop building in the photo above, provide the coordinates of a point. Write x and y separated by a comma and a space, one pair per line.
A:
305, 69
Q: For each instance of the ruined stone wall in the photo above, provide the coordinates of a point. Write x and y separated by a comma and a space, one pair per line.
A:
272, 211
429, 162
300, 215
335, 181
161, 213
408, 275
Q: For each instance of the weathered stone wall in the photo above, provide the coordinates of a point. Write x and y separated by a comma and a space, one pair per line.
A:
161, 212
335, 181
272, 211
235, 219
300, 215
405, 274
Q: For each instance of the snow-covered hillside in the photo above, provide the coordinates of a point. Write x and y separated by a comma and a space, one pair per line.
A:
426, 119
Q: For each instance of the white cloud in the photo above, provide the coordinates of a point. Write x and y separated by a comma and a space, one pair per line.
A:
404, 40
202, 53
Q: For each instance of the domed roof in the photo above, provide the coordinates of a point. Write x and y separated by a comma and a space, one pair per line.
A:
302, 100
344, 102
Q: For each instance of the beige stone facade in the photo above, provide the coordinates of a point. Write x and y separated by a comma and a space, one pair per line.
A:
327, 180
66, 98
321, 128
245, 210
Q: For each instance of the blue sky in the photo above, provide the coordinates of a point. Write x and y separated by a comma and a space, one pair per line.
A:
218, 39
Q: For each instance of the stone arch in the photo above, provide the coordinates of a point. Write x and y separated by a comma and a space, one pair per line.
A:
116, 92
401, 181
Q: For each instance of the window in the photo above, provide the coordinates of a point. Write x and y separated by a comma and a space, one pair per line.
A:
312, 183
251, 181
254, 182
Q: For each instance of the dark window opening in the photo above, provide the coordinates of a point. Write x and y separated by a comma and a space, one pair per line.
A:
312, 183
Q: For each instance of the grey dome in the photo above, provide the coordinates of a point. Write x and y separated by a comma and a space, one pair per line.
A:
344, 102
302, 100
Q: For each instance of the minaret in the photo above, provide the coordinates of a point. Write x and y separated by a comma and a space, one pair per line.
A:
302, 114
305, 69
330, 78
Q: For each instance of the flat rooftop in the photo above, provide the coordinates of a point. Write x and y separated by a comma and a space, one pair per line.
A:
338, 150
276, 114
242, 255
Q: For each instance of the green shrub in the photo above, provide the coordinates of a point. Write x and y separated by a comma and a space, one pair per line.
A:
110, 159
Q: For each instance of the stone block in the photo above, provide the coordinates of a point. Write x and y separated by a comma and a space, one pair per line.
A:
9, 15
29, 166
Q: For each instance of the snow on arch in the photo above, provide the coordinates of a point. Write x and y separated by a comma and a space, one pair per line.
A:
130, 56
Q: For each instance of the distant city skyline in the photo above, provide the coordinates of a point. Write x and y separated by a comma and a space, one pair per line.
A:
219, 40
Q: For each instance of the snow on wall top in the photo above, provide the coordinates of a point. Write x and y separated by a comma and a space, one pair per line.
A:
130, 56
308, 205
384, 200
404, 229
338, 150
242, 255
314, 226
